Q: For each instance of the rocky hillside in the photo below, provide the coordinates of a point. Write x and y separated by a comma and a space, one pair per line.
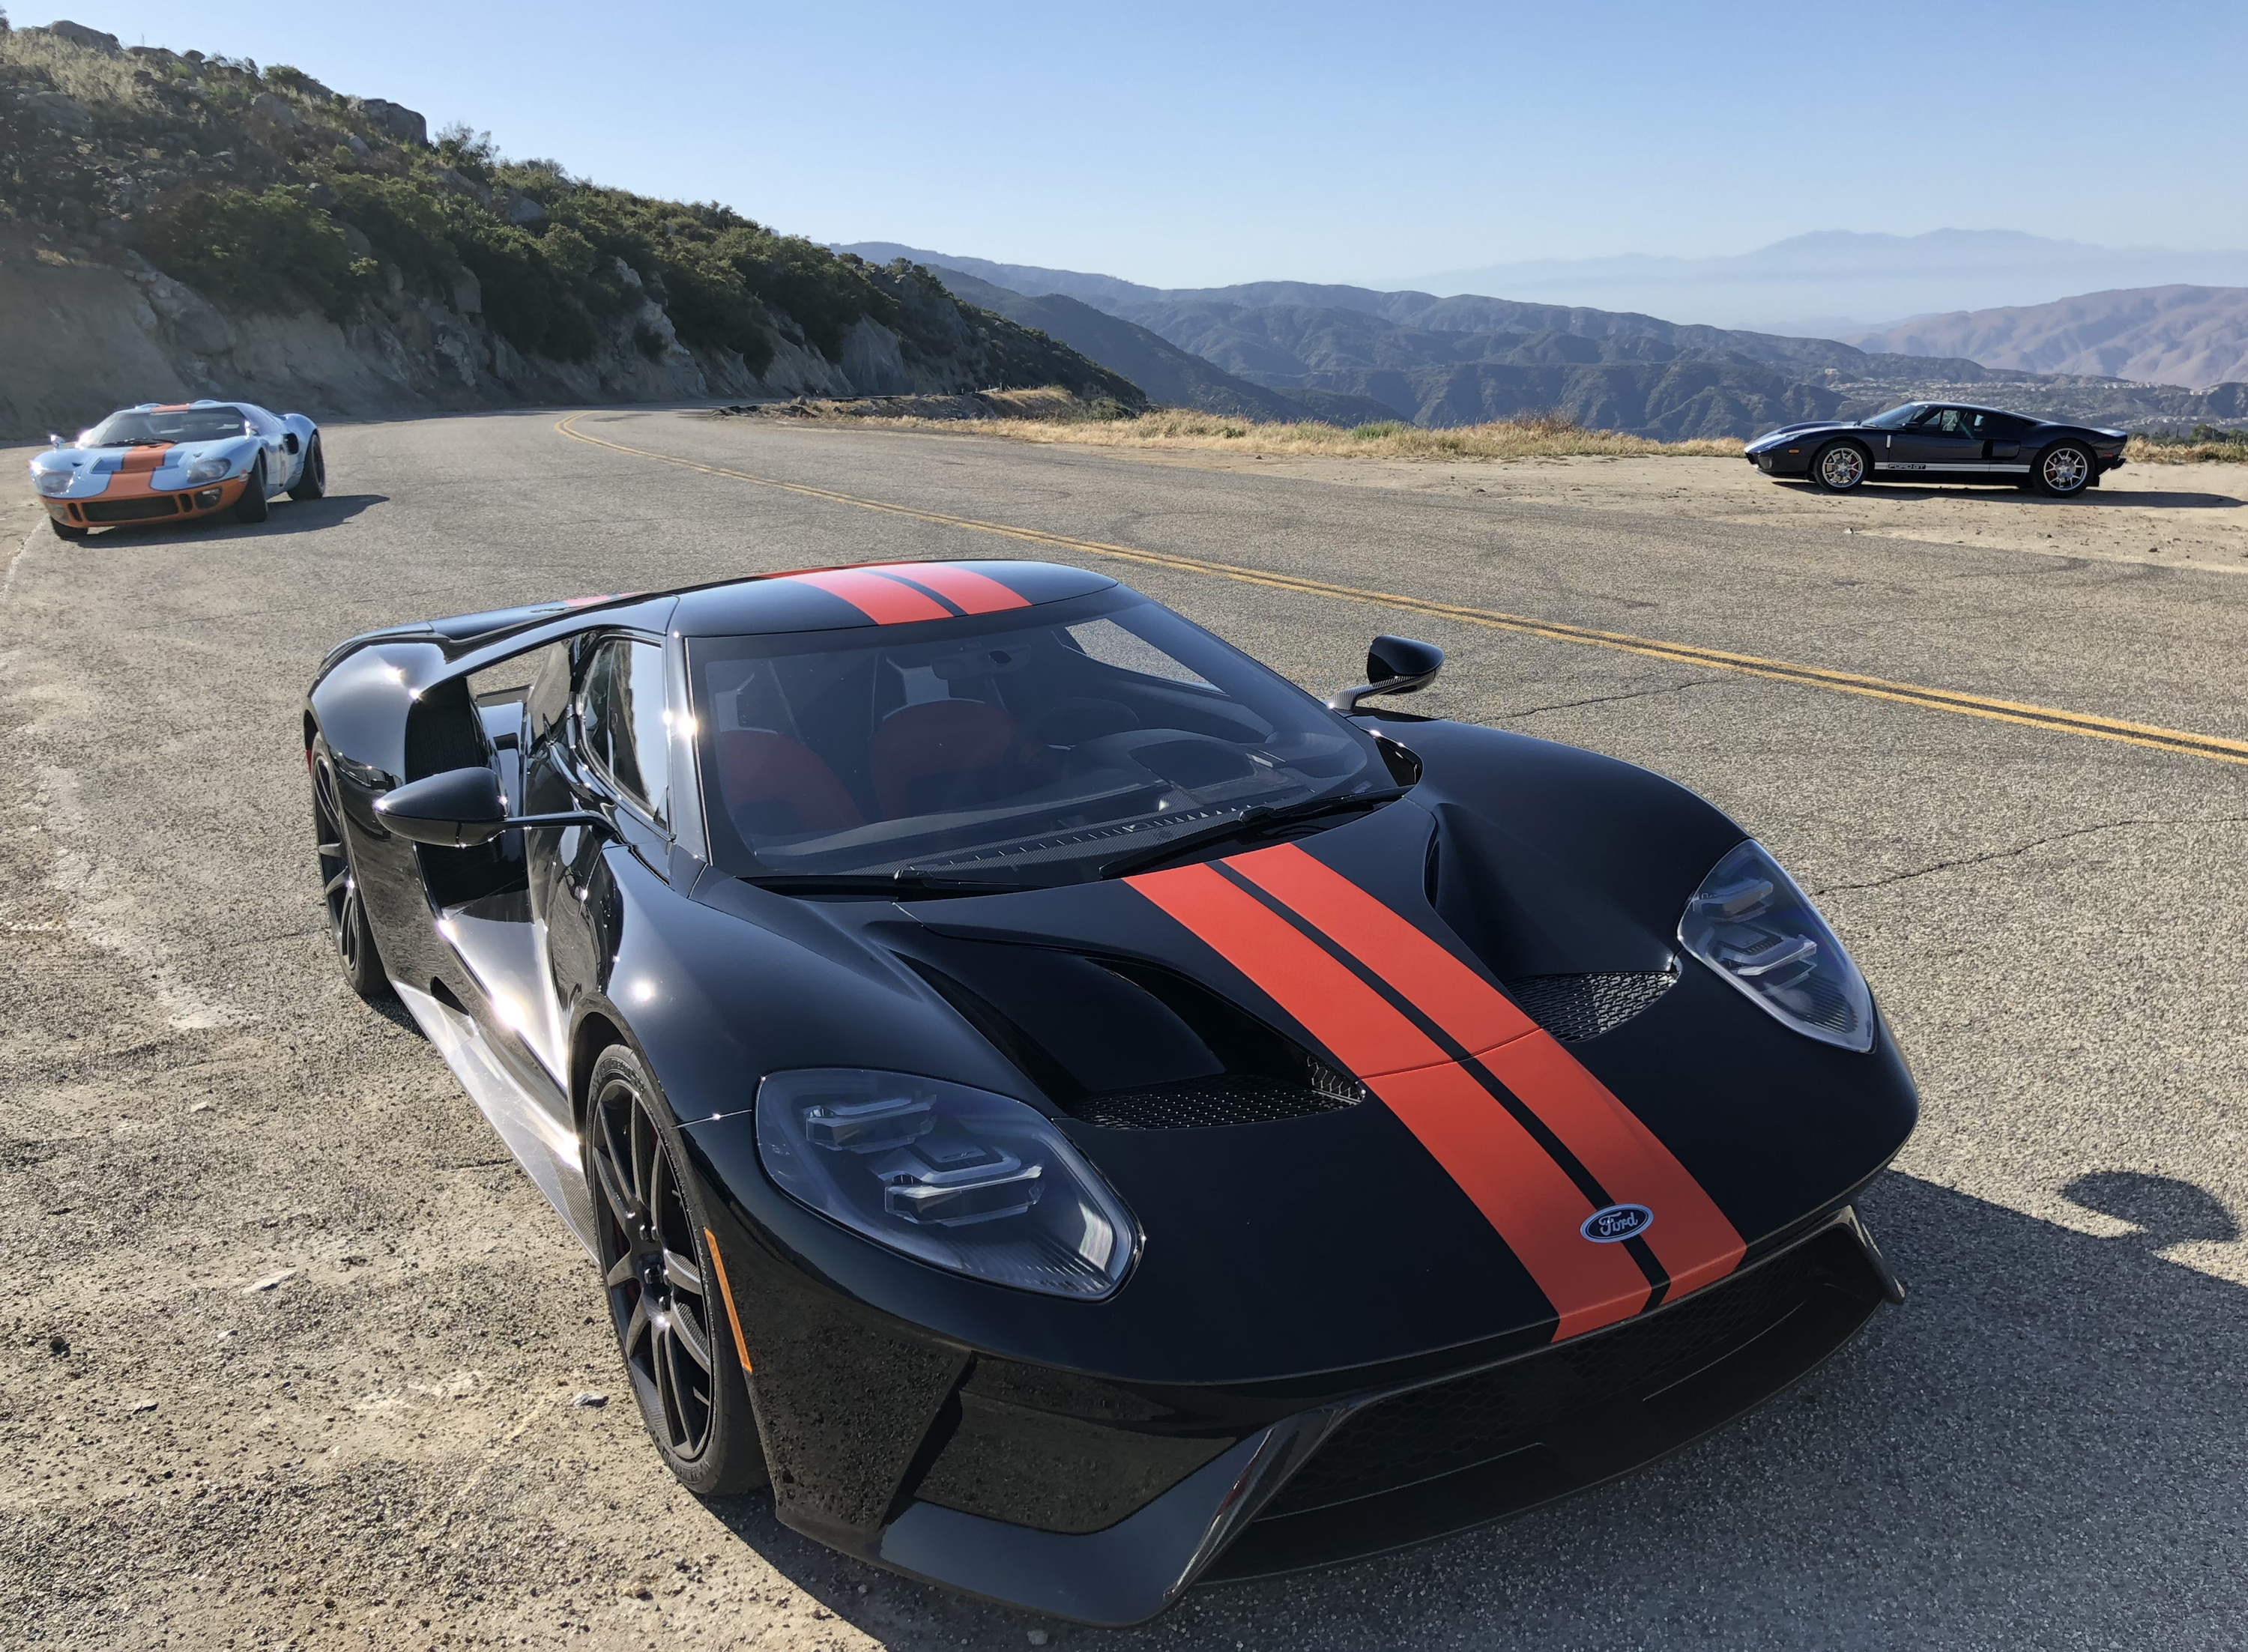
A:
172, 224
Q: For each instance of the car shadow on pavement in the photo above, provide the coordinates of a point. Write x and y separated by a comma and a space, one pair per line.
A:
2042, 1446
2166, 499
289, 516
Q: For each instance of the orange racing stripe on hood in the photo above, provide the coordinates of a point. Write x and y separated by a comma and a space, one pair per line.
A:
1691, 1237
1535, 1207
130, 479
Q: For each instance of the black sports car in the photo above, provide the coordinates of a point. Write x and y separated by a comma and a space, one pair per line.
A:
1941, 441
1074, 1111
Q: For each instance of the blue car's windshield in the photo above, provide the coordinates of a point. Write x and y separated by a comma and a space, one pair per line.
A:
1895, 418
134, 428
1032, 747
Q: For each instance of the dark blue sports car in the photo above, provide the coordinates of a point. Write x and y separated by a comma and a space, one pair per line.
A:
1941, 441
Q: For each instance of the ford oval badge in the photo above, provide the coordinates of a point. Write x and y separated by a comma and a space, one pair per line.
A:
1617, 1223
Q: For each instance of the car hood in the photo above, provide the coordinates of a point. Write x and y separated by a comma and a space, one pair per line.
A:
160, 468
1397, 953
1788, 432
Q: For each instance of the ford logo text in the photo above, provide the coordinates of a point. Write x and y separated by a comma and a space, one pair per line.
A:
1617, 1223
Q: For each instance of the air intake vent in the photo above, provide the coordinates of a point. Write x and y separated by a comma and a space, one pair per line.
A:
1223, 1098
1576, 1007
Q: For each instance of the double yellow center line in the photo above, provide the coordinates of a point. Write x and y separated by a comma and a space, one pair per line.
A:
2211, 746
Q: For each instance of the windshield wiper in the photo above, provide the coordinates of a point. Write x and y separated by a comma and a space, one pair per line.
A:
883, 885
1248, 823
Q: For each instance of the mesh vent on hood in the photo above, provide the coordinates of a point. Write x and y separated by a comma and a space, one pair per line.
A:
1576, 1007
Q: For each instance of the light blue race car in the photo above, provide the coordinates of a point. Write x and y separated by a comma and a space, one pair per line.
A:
166, 462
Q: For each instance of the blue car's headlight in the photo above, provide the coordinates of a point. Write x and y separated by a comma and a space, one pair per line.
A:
1750, 923
209, 470
53, 484
957, 1177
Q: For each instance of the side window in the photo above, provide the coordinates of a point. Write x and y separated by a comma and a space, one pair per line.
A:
621, 710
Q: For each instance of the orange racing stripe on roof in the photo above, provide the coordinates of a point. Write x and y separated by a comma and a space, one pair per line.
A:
884, 602
967, 590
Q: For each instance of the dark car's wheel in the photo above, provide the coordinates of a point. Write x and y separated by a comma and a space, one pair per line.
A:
666, 1306
312, 480
66, 530
347, 925
1838, 466
253, 507
2064, 469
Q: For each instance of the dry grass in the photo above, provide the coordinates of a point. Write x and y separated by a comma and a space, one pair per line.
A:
1052, 415
2139, 451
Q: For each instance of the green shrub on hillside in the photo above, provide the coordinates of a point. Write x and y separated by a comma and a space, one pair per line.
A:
245, 248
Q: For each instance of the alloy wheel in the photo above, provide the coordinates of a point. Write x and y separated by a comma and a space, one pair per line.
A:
653, 1271
339, 885
2065, 470
1841, 467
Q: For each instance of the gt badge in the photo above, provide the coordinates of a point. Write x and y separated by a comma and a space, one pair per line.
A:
1617, 1223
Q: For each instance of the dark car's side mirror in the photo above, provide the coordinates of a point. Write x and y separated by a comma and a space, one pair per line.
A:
1394, 665
460, 808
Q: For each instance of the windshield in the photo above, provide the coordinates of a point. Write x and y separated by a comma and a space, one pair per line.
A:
1027, 748
1895, 418
165, 424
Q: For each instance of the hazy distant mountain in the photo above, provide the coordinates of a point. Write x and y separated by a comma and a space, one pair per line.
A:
2194, 336
1808, 283
1172, 377
1441, 361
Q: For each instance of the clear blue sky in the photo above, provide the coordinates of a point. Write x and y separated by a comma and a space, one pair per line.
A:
1200, 144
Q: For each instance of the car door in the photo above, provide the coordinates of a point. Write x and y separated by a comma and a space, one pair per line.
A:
1941, 441
612, 754
272, 434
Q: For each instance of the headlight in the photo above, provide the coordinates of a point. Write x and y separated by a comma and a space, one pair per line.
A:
53, 482
956, 1177
209, 470
1750, 923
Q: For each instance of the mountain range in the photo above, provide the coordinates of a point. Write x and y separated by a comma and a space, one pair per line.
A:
1335, 351
1836, 282
2195, 336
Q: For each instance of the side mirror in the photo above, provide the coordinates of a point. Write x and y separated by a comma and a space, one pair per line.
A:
1394, 665
290, 441
54, 440
460, 808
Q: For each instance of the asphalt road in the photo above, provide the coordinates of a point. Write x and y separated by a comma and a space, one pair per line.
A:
2044, 1448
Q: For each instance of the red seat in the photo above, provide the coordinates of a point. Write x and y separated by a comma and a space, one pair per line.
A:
764, 771
948, 754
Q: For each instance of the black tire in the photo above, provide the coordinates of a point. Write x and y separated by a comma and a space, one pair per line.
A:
1840, 467
66, 530
252, 506
666, 1306
2064, 470
312, 480
348, 927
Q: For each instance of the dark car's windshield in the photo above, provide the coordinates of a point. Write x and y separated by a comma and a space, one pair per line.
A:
1896, 418
131, 428
1026, 748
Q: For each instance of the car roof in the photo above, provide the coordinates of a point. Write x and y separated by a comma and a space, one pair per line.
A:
872, 594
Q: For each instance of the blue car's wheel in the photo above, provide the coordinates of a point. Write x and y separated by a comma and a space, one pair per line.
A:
312, 480
253, 507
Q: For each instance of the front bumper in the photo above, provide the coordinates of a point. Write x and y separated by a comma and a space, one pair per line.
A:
182, 505
1101, 1501
1782, 461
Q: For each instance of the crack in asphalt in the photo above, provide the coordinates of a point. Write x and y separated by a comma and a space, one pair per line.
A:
2034, 843
1603, 699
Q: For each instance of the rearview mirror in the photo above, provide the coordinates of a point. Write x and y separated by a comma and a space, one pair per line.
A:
460, 808
1394, 665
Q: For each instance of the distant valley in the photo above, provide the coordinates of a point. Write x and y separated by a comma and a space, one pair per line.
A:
1337, 352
